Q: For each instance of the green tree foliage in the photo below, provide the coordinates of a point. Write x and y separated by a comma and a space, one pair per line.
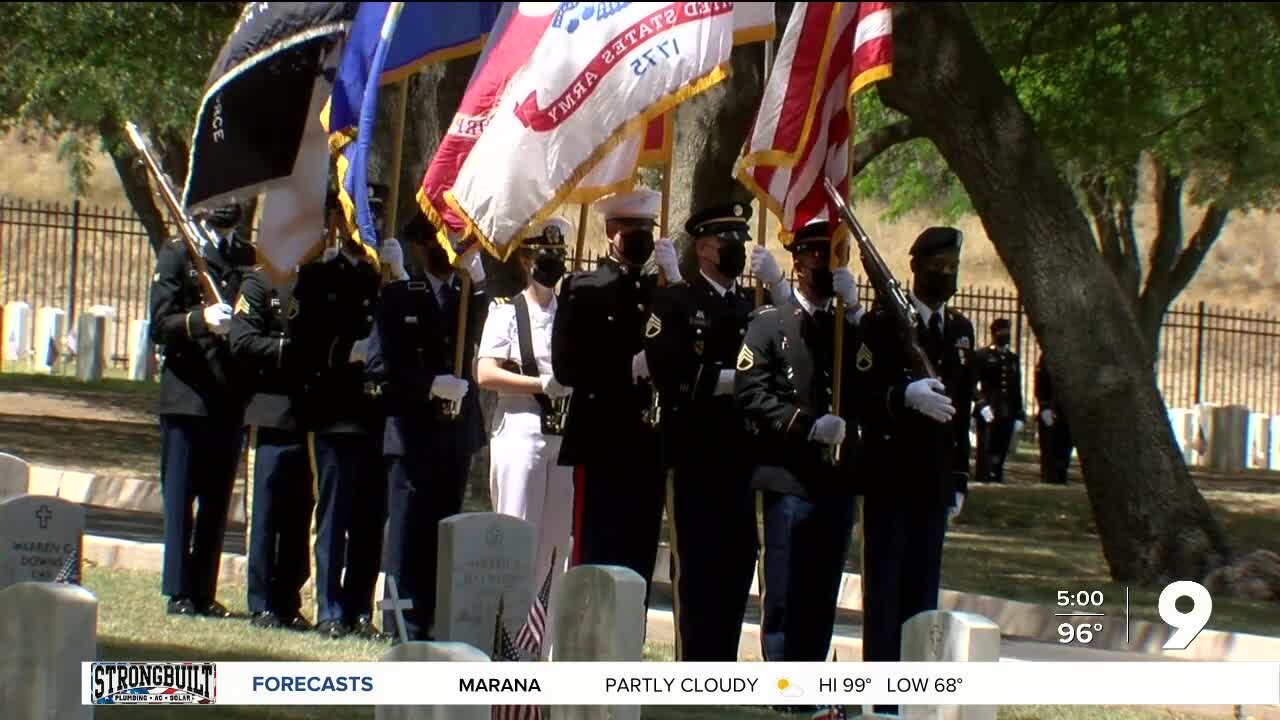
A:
78, 71
1176, 102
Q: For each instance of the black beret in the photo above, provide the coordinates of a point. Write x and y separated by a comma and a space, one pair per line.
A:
718, 218
937, 239
1000, 324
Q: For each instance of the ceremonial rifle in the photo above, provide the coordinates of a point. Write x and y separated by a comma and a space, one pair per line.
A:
194, 235
888, 291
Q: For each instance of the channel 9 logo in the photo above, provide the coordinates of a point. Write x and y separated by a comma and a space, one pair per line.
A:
1186, 625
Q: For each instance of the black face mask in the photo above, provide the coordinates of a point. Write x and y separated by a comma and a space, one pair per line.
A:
733, 259
822, 282
932, 286
548, 268
1002, 338
637, 246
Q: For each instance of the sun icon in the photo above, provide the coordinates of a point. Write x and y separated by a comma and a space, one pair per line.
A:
787, 689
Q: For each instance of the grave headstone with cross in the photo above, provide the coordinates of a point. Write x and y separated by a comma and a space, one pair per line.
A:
395, 605
15, 476
41, 539
947, 636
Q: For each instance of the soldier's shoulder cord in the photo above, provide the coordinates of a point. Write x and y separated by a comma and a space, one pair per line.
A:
762, 310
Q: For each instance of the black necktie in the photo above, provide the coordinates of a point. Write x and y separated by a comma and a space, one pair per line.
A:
935, 335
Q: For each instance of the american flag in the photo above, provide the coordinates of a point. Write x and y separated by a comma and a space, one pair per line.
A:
803, 129
530, 636
504, 650
70, 570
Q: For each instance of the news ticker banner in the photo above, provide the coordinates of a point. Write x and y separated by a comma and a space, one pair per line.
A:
672, 683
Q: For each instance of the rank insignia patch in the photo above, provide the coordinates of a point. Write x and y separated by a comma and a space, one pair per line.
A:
653, 327
242, 306
746, 359
294, 309
863, 361
698, 347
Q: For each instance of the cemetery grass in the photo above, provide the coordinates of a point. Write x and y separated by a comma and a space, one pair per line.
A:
132, 626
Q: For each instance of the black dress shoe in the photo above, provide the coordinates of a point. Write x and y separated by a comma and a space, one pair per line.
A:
213, 609
363, 627
299, 624
180, 606
332, 628
266, 620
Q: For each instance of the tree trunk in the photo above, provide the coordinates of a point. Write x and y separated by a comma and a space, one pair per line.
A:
134, 180
1154, 524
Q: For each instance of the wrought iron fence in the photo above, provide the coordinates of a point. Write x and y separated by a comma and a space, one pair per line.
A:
75, 257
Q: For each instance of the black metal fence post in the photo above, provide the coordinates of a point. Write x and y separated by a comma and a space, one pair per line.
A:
73, 267
1200, 327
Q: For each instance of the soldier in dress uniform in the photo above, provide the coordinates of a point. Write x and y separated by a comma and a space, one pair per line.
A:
1054, 434
201, 410
916, 438
998, 411
597, 348
785, 387
336, 298
428, 447
279, 534
692, 339
525, 477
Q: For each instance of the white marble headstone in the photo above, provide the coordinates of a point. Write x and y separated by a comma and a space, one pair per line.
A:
598, 615
41, 539
141, 351
91, 354
1273, 435
15, 476
1259, 444
948, 636
111, 328
483, 557
17, 331
433, 652
51, 325
46, 631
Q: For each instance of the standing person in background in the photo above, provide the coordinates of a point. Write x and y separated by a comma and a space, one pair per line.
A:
201, 410
525, 477
1051, 425
999, 412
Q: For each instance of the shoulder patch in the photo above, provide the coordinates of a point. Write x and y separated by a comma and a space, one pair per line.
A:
294, 308
962, 342
746, 359
654, 327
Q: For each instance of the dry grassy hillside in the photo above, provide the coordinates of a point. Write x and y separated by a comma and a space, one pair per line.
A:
1243, 270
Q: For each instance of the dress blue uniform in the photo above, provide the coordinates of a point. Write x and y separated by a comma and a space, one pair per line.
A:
692, 339
1056, 444
916, 468
784, 385
999, 396
598, 332
279, 534
201, 410
337, 297
428, 453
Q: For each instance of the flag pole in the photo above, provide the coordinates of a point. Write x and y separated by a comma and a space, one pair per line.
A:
761, 238
666, 199
836, 262
397, 147
582, 237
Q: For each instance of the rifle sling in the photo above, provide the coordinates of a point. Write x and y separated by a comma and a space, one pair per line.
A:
528, 363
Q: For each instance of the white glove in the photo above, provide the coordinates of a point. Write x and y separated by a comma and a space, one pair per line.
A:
928, 397
639, 367
552, 387
664, 254
330, 253
986, 413
1017, 427
953, 513
392, 257
724, 384
828, 430
1048, 417
764, 266
218, 318
359, 351
474, 266
448, 387
846, 287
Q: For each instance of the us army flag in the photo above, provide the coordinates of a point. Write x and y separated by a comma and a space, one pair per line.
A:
599, 73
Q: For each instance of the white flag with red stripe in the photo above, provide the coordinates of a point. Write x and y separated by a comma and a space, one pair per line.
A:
803, 129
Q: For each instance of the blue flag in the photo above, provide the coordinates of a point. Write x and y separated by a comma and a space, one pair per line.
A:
389, 41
